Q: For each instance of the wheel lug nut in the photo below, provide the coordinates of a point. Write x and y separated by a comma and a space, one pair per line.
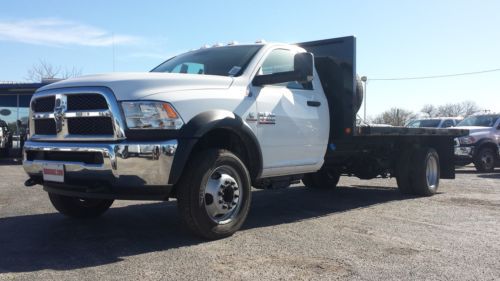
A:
227, 182
224, 207
235, 188
220, 201
220, 193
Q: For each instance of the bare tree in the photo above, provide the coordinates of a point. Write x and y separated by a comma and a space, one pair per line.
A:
450, 110
43, 70
469, 108
71, 72
394, 116
430, 110
463, 109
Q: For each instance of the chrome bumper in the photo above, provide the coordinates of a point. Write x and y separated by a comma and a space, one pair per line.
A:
464, 151
125, 164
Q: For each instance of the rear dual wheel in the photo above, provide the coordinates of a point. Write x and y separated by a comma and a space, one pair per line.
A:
418, 172
322, 179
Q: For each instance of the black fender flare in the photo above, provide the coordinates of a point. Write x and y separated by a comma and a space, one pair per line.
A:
203, 123
485, 142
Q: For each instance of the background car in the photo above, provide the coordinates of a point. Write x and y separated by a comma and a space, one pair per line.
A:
439, 122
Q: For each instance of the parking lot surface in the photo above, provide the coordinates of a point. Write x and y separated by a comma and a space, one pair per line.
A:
365, 230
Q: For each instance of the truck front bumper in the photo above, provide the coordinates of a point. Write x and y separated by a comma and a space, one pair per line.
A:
122, 170
463, 154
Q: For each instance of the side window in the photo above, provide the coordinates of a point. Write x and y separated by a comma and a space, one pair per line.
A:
447, 123
281, 60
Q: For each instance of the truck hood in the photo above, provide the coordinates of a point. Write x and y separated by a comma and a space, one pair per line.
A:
140, 85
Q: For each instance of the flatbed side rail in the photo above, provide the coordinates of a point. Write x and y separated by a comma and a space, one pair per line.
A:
404, 131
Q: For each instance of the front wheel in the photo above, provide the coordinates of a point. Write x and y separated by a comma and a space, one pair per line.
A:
484, 161
214, 196
79, 207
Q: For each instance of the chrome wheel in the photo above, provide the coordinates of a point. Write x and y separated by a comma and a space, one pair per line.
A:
223, 194
431, 172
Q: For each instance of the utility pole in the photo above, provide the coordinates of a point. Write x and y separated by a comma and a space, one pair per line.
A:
113, 45
365, 80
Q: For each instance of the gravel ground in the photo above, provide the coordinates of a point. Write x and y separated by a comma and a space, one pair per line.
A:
365, 230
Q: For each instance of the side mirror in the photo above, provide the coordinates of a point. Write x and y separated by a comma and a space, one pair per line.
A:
303, 65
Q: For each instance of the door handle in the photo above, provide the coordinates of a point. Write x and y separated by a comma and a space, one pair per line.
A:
313, 103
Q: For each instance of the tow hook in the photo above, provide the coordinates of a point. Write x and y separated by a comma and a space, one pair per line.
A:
30, 182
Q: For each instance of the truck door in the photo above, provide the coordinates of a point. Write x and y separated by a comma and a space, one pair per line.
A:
292, 120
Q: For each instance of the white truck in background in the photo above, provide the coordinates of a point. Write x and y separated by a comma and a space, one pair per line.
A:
481, 145
205, 126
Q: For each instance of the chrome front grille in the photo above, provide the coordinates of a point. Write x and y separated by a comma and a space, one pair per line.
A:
86, 102
45, 127
75, 114
90, 126
45, 104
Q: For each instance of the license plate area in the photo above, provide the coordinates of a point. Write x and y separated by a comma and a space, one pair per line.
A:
53, 172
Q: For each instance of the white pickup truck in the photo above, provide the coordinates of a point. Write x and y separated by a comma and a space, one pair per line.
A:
205, 126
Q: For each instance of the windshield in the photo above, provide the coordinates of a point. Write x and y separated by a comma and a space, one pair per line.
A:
431, 123
222, 61
479, 120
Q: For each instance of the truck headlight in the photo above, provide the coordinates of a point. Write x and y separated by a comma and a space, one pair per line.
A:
467, 140
151, 115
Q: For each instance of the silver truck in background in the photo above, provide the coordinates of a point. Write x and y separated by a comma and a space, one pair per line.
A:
481, 145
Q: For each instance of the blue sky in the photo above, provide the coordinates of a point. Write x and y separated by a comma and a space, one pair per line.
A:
395, 39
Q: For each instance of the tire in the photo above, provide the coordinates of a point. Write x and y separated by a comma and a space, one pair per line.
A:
418, 172
214, 196
79, 208
358, 95
484, 160
322, 179
403, 172
425, 175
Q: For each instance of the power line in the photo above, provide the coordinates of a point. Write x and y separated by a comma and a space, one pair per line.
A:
435, 76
